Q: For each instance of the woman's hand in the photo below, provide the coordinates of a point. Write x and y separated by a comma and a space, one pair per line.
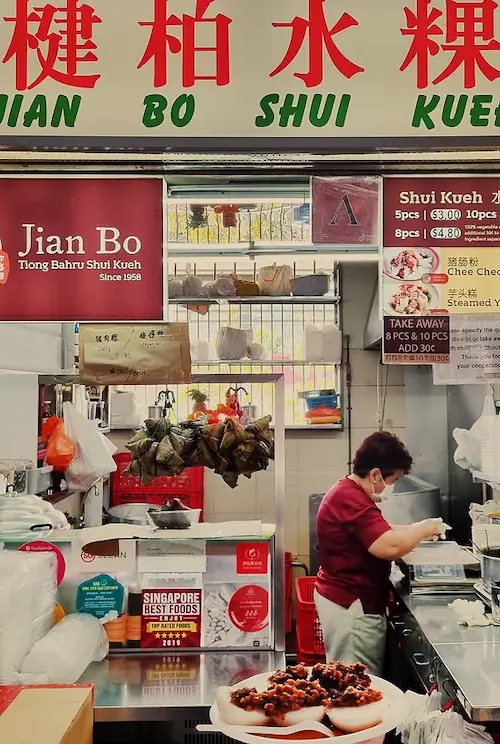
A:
393, 545
436, 528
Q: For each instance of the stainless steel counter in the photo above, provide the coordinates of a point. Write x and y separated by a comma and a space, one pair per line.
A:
439, 622
151, 687
470, 656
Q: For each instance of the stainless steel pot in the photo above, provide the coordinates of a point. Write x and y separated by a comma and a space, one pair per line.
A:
250, 411
155, 412
490, 566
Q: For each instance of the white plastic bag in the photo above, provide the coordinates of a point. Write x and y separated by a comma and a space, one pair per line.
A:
476, 449
232, 343
62, 656
480, 513
93, 458
274, 281
24, 512
125, 410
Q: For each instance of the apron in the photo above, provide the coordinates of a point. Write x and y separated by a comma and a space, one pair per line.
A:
351, 636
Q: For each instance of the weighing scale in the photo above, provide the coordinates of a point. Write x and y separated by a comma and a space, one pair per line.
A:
440, 567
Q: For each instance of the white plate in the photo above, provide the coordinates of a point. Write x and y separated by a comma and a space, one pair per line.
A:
392, 287
428, 263
395, 714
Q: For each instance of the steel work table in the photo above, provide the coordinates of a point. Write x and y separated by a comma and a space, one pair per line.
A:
169, 687
429, 634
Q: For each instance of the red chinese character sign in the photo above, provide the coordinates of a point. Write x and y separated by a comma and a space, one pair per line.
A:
62, 39
221, 70
81, 249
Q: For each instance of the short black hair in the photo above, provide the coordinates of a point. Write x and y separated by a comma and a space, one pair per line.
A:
382, 450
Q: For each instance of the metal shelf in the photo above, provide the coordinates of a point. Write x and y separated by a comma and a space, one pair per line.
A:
261, 363
314, 427
492, 480
258, 300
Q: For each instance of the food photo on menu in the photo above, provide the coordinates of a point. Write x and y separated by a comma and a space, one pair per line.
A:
409, 264
410, 298
304, 703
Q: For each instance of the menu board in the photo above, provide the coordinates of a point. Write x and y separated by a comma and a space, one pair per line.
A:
439, 236
438, 259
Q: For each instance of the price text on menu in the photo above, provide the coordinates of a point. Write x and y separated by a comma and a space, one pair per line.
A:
443, 233
411, 340
442, 212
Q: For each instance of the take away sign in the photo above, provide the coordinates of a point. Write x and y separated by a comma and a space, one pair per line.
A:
286, 70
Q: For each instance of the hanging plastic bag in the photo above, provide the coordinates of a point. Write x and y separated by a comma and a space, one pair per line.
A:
60, 448
476, 446
93, 458
274, 281
125, 410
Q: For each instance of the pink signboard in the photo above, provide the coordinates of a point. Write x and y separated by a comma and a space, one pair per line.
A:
345, 210
84, 249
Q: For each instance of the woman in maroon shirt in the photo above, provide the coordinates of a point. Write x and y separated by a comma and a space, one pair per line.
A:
357, 546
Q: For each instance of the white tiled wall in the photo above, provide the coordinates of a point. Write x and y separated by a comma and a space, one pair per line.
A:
315, 460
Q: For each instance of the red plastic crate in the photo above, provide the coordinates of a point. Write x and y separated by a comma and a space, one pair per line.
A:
310, 647
288, 592
189, 481
193, 501
127, 489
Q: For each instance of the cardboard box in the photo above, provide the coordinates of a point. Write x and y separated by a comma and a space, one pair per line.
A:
47, 715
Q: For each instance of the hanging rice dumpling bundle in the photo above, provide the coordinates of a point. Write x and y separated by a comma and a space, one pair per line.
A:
230, 449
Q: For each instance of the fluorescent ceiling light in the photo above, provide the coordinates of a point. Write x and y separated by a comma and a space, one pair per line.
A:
240, 194
237, 199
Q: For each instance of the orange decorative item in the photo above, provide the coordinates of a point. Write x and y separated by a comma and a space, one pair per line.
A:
228, 212
4, 265
233, 403
324, 415
60, 448
59, 613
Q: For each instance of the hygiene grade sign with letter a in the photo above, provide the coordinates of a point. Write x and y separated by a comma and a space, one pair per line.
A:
81, 249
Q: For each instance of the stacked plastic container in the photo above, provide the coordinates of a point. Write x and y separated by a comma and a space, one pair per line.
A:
27, 601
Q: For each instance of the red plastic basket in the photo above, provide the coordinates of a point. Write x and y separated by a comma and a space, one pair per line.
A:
189, 481
310, 647
193, 501
126, 489
288, 592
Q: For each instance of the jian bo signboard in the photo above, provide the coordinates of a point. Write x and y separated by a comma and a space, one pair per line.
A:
81, 249
286, 70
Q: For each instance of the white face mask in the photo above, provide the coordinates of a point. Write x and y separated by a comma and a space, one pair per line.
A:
385, 494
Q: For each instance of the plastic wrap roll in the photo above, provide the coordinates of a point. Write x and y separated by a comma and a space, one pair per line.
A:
27, 600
